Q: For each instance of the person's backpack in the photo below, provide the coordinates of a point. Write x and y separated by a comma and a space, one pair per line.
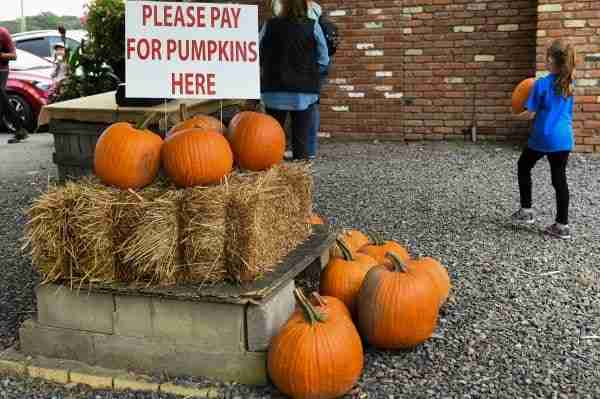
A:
331, 32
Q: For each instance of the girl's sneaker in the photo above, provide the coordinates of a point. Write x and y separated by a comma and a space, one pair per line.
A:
559, 231
523, 216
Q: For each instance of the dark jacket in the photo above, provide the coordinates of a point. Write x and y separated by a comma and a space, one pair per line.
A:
288, 56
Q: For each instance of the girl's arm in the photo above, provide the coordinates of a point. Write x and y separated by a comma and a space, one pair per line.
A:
525, 115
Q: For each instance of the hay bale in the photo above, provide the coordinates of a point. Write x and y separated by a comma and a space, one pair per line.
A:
88, 232
69, 232
90, 226
46, 234
203, 217
146, 235
266, 219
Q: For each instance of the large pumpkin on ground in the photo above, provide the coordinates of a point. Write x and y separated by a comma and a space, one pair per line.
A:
315, 219
343, 277
127, 157
521, 94
328, 304
202, 122
437, 272
196, 157
378, 248
397, 305
354, 239
257, 140
316, 355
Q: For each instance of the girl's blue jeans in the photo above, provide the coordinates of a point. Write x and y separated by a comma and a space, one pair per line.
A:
305, 125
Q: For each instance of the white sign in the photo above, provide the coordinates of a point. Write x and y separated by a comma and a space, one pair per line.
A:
191, 50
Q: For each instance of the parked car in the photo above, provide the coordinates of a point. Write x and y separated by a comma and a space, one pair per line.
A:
28, 87
41, 42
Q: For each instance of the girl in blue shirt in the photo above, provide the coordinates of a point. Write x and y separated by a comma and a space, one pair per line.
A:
550, 104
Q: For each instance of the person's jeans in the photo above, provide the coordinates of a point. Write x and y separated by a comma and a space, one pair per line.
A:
304, 129
558, 168
5, 107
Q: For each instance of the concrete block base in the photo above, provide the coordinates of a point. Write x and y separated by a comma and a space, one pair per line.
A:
227, 342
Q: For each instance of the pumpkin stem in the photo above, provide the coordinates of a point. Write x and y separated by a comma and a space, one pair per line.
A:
320, 300
183, 115
397, 263
310, 313
375, 238
346, 252
146, 122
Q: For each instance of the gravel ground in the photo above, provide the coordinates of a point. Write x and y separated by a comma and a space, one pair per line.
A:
524, 306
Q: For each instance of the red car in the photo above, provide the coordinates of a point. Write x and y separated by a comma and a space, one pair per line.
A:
28, 87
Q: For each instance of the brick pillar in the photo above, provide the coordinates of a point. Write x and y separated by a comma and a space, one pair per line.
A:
579, 23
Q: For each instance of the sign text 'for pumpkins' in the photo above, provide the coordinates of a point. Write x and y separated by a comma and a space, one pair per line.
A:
191, 50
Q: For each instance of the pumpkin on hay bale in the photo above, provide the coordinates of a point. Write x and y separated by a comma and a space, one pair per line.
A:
195, 157
202, 122
257, 140
126, 156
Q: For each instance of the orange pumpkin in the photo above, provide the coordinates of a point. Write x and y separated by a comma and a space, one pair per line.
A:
354, 239
397, 305
316, 219
335, 305
342, 277
202, 122
378, 248
195, 157
257, 140
437, 272
126, 156
315, 355
521, 94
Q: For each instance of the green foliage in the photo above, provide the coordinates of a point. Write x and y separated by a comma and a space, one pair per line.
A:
42, 21
106, 28
89, 76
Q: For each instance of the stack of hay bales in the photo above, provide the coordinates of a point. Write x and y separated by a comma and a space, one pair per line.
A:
87, 232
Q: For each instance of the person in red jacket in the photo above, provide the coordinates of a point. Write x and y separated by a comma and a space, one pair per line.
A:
7, 54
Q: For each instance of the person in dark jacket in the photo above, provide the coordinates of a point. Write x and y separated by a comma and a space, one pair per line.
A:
293, 55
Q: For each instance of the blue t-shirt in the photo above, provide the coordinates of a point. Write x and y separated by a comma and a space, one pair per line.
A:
553, 124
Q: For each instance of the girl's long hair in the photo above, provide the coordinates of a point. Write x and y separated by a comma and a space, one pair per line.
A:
296, 10
563, 56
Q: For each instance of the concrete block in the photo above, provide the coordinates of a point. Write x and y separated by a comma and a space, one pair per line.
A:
92, 378
265, 321
155, 355
49, 374
246, 368
189, 392
133, 316
131, 383
213, 326
11, 361
12, 366
59, 306
113, 351
56, 342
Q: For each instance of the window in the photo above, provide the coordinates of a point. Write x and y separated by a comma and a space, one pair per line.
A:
39, 46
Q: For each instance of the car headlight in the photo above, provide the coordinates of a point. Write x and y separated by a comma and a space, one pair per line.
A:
43, 86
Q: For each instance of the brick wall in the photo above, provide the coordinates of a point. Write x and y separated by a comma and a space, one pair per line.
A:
579, 23
429, 69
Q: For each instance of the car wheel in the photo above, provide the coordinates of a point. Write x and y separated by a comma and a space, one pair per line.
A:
23, 109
